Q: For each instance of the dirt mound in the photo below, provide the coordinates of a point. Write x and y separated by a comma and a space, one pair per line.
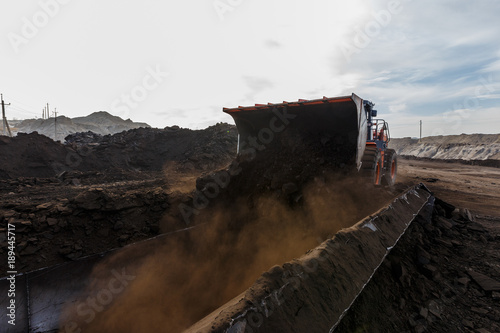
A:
142, 149
149, 149
464, 146
82, 138
98, 122
104, 123
30, 155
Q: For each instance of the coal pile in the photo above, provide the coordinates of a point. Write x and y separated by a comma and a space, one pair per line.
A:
142, 149
30, 155
83, 138
149, 149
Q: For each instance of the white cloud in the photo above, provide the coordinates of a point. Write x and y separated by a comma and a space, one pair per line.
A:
395, 108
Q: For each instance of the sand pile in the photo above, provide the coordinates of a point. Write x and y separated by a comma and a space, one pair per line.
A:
456, 147
98, 122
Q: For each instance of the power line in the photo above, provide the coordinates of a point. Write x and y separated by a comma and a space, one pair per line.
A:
20, 109
22, 103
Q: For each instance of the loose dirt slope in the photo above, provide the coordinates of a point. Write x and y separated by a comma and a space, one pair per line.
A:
457, 147
98, 122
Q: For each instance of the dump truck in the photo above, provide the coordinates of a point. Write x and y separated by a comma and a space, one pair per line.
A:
341, 129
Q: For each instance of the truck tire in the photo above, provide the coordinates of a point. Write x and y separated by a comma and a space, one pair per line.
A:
371, 168
390, 167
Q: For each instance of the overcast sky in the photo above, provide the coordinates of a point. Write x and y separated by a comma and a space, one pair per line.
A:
178, 62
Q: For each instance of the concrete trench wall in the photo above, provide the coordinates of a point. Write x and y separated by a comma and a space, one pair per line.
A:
313, 293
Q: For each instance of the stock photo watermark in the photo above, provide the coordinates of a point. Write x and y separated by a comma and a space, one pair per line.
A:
153, 78
99, 301
222, 7
31, 26
11, 264
248, 151
371, 29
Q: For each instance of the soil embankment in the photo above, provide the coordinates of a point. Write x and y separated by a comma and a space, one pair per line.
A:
101, 123
455, 147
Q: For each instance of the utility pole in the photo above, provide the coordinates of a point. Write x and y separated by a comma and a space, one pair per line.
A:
48, 114
55, 124
420, 131
3, 116
5, 123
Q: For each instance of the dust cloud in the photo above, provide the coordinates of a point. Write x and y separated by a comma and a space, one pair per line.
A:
192, 273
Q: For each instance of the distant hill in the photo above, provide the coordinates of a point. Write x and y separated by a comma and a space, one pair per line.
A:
98, 122
462, 147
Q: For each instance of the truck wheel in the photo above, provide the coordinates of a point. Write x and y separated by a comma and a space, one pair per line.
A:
390, 167
371, 168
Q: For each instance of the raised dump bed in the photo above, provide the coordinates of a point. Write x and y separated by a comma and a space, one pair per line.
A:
305, 126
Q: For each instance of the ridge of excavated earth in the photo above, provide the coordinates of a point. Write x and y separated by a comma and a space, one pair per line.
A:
457, 147
101, 123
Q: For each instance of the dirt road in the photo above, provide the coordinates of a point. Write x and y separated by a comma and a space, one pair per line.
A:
470, 186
